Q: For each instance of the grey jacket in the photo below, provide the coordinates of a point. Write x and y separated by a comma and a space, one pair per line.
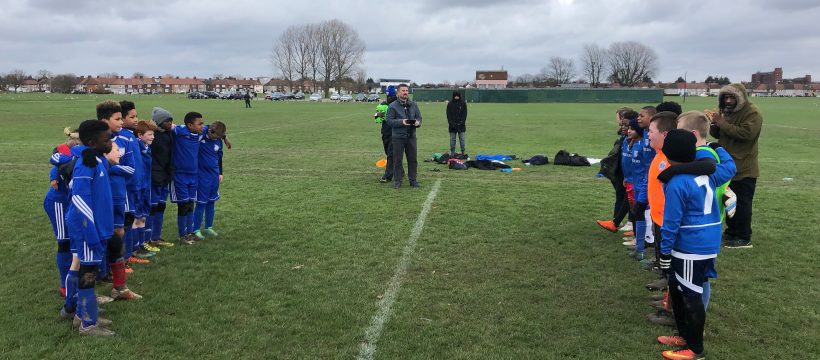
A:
396, 112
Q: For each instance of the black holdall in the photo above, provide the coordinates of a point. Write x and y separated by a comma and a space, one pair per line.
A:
537, 160
563, 157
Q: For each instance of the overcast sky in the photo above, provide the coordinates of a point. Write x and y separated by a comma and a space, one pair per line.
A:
425, 41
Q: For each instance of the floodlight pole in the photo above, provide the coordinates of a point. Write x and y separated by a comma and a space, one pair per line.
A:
685, 86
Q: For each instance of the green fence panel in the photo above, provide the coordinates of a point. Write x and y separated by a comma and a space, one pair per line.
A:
544, 95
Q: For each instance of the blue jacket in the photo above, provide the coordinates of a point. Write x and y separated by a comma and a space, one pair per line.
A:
186, 149
642, 158
90, 216
691, 216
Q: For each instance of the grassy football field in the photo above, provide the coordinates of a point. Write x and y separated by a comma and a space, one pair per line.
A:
317, 260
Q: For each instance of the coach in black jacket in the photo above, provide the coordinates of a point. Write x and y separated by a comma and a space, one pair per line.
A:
456, 121
404, 117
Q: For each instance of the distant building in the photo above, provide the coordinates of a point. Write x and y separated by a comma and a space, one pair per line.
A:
491, 79
769, 78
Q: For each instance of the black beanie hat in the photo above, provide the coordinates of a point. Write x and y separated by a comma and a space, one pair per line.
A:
679, 146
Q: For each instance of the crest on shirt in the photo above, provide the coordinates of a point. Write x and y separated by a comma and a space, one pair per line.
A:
662, 165
216, 147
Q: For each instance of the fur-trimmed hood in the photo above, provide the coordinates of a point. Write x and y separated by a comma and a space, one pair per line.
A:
739, 92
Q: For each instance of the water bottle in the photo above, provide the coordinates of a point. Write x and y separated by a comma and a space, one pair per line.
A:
507, 170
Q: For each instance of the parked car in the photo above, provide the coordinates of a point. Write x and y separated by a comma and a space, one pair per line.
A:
335, 97
360, 97
211, 94
197, 95
231, 95
275, 96
373, 98
299, 96
346, 97
316, 97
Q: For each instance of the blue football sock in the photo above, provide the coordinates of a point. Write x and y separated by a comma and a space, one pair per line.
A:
199, 211
149, 224
707, 293
156, 229
182, 226
190, 220
128, 242
88, 306
640, 236
210, 211
71, 290
140, 237
63, 263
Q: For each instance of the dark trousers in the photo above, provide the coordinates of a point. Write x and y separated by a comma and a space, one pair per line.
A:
247, 103
621, 203
402, 146
690, 316
740, 226
387, 141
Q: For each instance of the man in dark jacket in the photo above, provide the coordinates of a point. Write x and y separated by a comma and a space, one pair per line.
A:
247, 98
161, 170
387, 133
737, 127
456, 119
404, 117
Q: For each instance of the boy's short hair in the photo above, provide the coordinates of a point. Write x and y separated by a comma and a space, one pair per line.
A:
107, 108
622, 110
91, 129
144, 126
650, 110
669, 106
695, 121
191, 116
630, 114
219, 129
126, 106
665, 121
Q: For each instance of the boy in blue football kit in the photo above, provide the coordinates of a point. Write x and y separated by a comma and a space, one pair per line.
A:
184, 186
642, 156
110, 113
690, 241
209, 177
55, 205
145, 137
132, 157
90, 222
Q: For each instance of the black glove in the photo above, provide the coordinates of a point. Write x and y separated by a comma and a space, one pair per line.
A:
666, 263
90, 158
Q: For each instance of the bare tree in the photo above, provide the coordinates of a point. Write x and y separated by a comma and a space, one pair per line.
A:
560, 69
15, 78
217, 76
340, 51
594, 61
43, 77
630, 62
109, 75
63, 83
137, 75
283, 56
361, 78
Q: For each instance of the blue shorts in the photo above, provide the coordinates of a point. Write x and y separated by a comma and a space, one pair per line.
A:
130, 201
159, 194
207, 189
79, 246
56, 211
183, 188
119, 215
691, 271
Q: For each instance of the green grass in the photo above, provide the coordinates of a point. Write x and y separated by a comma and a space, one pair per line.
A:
508, 266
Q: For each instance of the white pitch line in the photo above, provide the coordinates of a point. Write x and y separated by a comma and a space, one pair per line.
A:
372, 334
